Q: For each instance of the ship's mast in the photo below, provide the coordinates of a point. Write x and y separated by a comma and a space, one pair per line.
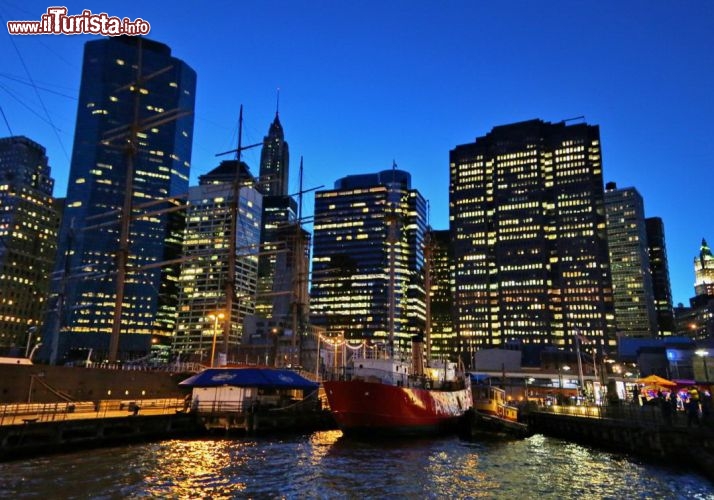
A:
391, 220
125, 221
427, 288
230, 284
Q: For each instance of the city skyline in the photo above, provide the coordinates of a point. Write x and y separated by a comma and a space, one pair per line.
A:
363, 86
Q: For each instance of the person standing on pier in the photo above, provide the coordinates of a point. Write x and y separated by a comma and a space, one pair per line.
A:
693, 407
665, 407
673, 404
706, 399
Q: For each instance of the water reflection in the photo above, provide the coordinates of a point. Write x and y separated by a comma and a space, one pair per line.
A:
327, 465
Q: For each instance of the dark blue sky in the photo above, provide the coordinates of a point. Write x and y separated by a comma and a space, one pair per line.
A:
364, 83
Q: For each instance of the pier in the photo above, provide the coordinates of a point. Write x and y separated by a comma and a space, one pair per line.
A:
639, 430
38, 429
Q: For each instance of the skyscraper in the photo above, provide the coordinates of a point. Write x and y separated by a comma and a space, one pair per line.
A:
527, 223
28, 236
355, 258
279, 214
697, 320
704, 271
204, 272
442, 335
633, 294
274, 161
134, 128
659, 269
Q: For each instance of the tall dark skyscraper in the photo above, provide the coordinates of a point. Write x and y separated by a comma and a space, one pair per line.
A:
131, 87
443, 335
633, 294
279, 215
659, 269
352, 256
274, 160
28, 240
527, 222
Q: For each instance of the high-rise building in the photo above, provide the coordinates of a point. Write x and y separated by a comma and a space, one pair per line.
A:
439, 257
633, 293
274, 161
659, 269
134, 128
202, 313
704, 271
527, 222
369, 234
279, 213
697, 320
28, 240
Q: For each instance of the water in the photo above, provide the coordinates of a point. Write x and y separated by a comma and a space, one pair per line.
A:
327, 465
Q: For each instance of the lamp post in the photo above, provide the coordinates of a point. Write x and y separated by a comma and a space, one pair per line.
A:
32, 352
529, 380
702, 353
30, 332
215, 318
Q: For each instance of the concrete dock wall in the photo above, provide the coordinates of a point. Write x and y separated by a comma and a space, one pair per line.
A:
42, 438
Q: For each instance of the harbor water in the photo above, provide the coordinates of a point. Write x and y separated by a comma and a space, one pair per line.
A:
328, 465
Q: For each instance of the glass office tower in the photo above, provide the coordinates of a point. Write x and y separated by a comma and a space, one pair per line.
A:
351, 258
135, 111
633, 294
202, 298
527, 222
659, 269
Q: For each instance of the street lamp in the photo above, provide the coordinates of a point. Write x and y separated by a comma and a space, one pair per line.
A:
30, 332
215, 318
702, 353
32, 352
529, 380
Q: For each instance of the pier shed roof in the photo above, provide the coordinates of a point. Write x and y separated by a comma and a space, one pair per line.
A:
250, 377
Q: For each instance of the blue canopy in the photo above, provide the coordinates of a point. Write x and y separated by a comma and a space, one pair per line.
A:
479, 377
250, 377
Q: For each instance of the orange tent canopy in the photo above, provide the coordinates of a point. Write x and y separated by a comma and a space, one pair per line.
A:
655, 380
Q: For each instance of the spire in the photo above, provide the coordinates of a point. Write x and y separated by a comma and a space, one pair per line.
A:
705, 252
276, 128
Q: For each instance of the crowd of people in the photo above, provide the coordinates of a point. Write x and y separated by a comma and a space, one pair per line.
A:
694, 403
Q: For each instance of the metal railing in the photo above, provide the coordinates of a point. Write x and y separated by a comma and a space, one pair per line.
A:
649, 415
24, 413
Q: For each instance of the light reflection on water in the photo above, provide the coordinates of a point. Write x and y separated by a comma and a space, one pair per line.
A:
326, 465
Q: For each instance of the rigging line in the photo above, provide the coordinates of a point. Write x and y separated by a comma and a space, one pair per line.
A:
26, 106
7, 123
58, 55
37, 92
23, 82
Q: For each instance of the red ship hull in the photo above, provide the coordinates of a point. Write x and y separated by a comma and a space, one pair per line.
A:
361, 407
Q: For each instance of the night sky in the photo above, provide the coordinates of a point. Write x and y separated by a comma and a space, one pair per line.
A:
366, 83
